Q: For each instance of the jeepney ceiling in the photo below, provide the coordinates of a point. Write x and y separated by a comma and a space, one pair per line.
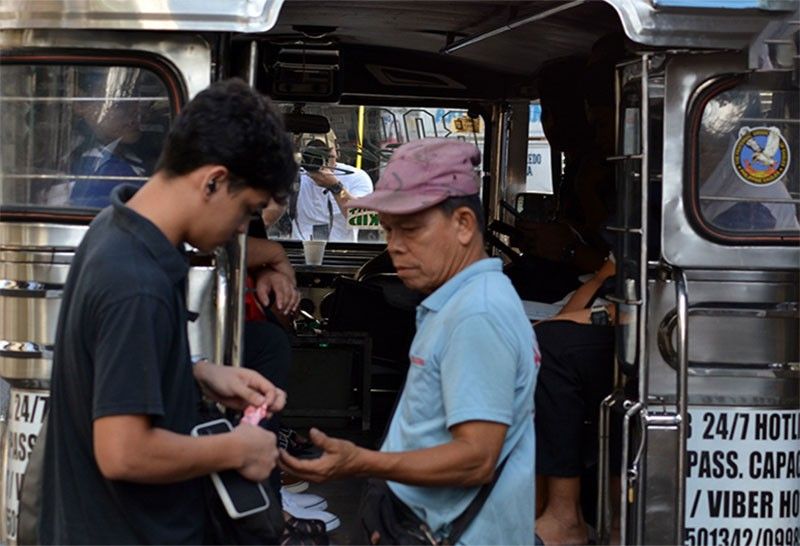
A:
429, 26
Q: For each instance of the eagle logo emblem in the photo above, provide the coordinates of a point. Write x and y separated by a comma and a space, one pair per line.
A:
760, 155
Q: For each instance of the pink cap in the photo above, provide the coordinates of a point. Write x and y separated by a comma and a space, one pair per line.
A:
423, 173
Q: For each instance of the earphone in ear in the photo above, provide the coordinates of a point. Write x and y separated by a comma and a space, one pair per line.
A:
211, 187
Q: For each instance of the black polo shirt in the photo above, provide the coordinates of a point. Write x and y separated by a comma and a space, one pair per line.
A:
121, 349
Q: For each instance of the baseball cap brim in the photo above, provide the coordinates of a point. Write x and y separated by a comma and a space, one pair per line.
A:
394, 202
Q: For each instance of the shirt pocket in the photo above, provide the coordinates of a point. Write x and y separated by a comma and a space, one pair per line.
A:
423, 396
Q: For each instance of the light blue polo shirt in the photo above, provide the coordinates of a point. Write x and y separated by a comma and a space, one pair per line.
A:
472, 359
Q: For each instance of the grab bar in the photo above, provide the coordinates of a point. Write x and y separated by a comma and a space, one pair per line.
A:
785, 310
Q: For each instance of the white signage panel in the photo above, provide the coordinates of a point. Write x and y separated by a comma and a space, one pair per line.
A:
743, 476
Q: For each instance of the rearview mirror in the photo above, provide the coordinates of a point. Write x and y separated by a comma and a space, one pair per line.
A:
306, 123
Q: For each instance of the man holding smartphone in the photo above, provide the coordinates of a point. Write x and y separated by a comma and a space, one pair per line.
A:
119, 464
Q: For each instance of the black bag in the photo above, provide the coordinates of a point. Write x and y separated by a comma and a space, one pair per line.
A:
382, 512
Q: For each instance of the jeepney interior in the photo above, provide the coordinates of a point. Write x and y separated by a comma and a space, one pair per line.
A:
378, 74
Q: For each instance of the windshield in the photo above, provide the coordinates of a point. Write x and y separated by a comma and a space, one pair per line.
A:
355, 151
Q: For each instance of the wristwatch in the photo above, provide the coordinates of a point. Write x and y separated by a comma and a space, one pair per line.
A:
335, 189
599, 315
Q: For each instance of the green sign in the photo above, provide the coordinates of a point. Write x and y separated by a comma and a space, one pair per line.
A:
362, 219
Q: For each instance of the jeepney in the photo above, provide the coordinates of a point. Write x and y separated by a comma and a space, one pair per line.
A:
707, 348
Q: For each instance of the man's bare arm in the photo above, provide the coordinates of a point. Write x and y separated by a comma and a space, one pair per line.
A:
468, 459
128, 447
266, 253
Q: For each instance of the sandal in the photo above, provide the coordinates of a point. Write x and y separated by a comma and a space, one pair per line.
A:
302, 532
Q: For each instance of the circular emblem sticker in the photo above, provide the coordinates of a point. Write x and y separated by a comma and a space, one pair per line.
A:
761, 155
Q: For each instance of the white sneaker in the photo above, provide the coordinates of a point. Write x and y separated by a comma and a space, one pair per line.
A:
330, 520
304, 500
294, 485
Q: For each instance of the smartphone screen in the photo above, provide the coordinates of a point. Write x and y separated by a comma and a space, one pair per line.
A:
245, 496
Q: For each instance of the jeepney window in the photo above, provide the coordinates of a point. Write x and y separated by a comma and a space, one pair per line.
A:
746, 181
71, 133
358, 146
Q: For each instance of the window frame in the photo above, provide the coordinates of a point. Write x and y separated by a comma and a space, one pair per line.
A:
160, 67
691, 197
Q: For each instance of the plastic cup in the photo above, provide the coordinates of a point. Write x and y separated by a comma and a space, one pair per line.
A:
314, 251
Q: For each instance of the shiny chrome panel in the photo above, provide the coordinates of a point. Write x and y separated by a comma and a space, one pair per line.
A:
31, 284
191, 55
51, 274
35, 257
184, 15
658, 478
28, 289
26, 370
680, 244
24, 349
695, 28
735, 341
27, 332
32, 237
200, 299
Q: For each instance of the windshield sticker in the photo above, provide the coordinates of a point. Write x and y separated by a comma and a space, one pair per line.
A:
761, 155
362, 219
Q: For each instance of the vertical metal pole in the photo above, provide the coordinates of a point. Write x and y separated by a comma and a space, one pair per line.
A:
221, 282
499, 151
641, 323
625, 486
603, 472
682, 350
252, 63
239, 271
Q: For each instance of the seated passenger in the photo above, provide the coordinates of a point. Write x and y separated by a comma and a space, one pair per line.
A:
576, 374
579, 121
112, 126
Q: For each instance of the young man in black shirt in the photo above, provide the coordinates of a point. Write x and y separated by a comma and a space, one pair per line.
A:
120, 466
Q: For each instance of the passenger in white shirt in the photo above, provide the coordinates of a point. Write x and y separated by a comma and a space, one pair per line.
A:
323, 193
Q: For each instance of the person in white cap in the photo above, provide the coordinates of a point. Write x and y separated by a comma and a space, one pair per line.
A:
463, 425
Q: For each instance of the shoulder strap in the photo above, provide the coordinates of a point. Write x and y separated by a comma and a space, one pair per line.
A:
461, 523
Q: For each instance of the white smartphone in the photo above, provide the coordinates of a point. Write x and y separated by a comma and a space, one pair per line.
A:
240, 496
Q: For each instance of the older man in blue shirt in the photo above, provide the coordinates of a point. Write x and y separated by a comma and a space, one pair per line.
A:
467, 406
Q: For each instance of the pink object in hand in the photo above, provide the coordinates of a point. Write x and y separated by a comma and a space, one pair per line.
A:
254, 414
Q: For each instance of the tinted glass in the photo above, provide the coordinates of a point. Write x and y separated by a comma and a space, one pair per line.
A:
747, 149
72, 133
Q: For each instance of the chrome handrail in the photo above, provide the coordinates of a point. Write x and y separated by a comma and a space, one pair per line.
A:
682, 349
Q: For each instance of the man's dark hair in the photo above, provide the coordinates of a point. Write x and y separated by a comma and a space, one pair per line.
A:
231, 124
472, 202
